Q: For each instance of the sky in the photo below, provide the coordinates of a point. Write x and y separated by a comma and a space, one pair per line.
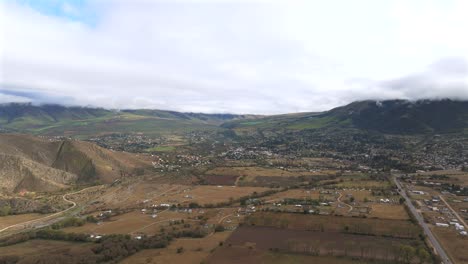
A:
257, 57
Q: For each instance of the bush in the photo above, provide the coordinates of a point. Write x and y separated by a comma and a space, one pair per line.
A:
67, 222
219, 228
5, 210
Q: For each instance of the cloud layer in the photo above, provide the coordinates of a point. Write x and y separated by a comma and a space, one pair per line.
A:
211, 56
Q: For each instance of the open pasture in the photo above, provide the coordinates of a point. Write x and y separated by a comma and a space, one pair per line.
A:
329, 223
454, 244
309, 243
193, 251
389, 211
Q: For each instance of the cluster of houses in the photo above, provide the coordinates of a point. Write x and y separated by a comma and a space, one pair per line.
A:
240, 153
458, 227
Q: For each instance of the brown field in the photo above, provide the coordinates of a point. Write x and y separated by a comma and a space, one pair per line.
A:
220, 179
274, 181
309, 242
208, 194
389, 211
138, 223
294, 194
368, 184
39, 247
310, 162
270, 172
265, 177
134, 222
133, 195
195, 251
16, 219
239, 254
383, 227
455, 245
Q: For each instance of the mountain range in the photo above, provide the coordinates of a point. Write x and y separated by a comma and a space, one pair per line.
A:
389, 117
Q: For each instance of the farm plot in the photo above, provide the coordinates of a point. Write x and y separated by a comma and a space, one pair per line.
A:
249, 255
182, 250
274, 181
368, 184
328, 223
250, 171
313, 243
389, 211
454, 244
34, 249
220, 179
209, 194
293, 194
133, 222
131, 195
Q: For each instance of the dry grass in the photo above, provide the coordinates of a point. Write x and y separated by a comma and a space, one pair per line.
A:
15, 219
246, 255
269, 172
208, 194
294, 194
195, 251
37, 247
454, 244
133, 222
379, 227
389, 211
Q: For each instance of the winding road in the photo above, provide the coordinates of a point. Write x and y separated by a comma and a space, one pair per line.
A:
339, 200
42, 219
433, 240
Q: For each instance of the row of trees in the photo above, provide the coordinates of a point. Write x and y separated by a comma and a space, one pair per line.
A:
109, 248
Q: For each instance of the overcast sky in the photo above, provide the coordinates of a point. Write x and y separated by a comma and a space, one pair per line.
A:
265, 57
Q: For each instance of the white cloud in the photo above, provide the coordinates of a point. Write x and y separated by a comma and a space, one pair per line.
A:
238, 57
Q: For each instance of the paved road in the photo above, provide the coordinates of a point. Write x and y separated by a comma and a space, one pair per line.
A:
438, 248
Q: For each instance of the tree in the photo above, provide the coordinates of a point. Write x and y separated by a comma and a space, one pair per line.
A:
407, 253
219, 228
402, 200
423, 255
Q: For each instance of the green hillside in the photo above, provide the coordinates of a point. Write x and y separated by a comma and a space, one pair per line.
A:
390, 117
84, 122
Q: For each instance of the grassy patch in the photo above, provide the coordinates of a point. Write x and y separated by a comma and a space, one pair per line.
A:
161, 149
313, 123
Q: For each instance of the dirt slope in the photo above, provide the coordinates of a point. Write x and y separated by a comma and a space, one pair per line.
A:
39, 164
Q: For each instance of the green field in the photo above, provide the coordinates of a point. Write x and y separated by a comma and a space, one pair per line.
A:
161, 149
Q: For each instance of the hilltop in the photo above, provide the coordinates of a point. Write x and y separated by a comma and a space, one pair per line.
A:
38, 164
389, 117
